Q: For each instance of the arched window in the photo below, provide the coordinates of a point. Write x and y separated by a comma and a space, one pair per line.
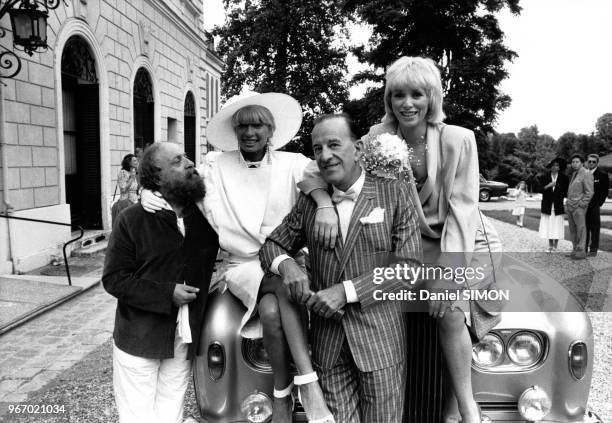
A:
81, 116
190, 127
144, 110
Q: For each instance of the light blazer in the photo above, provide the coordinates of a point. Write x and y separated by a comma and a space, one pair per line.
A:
448, 201
580, 189
375, 330
447, 207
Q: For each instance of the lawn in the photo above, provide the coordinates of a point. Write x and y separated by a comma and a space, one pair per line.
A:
532, 221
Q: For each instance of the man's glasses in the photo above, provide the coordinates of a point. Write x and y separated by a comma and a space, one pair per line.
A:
591, 161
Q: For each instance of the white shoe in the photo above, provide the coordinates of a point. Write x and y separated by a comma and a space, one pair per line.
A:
304, 380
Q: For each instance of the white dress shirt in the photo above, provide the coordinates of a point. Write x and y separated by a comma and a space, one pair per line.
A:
345, 210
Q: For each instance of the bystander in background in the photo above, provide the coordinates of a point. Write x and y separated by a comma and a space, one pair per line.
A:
593, 219
519, 206
555, 190
127, 183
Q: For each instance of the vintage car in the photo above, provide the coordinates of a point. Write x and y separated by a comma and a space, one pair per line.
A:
490, 189
532, 367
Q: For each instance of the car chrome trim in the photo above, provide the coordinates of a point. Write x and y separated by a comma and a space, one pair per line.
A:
569, 358
220, 371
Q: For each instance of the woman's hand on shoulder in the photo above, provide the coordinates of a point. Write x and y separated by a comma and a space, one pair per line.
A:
326, 227
152, 201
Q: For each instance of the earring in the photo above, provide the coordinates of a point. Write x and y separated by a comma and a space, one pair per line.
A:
268, 144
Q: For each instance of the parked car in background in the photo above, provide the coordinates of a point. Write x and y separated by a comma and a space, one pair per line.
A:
533, 366
490, 189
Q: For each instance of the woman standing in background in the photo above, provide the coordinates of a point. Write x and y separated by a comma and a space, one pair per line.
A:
127, 183
555, 190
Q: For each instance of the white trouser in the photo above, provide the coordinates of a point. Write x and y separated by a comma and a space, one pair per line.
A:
150, 390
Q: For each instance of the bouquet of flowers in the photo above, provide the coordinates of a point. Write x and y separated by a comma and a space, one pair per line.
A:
387, 156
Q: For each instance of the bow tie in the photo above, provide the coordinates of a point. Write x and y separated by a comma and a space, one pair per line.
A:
339, 196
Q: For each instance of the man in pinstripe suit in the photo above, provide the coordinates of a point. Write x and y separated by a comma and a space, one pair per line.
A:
360, 357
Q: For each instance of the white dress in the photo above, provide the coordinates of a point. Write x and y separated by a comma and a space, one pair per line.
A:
519, 205
551, 225
244, 205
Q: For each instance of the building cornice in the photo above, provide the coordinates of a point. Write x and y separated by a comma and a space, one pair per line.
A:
194, 6
198, 36
214, 60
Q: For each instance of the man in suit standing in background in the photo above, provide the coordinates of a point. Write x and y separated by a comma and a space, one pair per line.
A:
360, 357
579, 195
593, 220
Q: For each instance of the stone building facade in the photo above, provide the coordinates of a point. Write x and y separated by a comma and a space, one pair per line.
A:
118, 74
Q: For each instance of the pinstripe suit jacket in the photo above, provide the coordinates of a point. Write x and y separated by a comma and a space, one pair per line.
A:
375, 330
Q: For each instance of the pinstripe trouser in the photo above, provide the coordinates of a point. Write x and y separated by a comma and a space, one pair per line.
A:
354, 396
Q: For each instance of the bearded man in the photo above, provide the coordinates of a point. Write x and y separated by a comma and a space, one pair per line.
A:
159, 266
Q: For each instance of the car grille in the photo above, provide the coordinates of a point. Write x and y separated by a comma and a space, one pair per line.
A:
425, 371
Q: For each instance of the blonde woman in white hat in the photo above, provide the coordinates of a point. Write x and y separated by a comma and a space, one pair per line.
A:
250, 188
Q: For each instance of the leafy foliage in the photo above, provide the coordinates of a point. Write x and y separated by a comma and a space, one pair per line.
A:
604, 131
523, 157
570, 143
287, 46
463, 37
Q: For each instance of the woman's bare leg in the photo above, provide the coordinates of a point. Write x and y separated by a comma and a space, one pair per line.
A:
293, 328
450, 413
278, 351
457, 348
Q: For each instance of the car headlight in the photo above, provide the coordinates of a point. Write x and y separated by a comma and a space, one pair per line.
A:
534, 404
525, 349
256, 408
255, 354
489, 352
216, 360
578, 359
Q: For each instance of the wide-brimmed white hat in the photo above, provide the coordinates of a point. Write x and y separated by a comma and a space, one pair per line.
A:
285, 109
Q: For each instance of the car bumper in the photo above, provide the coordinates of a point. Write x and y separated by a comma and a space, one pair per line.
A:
513, 416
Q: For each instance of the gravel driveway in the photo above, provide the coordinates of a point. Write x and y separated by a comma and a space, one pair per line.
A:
521, 240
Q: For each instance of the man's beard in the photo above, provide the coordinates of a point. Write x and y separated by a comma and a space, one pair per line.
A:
183, 192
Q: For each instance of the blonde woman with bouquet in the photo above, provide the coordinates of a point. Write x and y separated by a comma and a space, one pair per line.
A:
444, 165
442, 170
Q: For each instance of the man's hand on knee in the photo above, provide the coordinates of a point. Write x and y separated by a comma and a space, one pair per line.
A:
184, 294
295, 280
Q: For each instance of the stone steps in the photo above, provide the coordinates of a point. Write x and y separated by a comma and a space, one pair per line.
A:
92, 243
91, 249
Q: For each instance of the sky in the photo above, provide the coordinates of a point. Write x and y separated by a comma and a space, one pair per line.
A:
561, 80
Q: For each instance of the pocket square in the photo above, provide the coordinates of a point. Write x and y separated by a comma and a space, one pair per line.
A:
376, 216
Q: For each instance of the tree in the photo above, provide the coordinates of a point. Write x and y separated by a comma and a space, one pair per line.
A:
604, 131
571, 143
463, 37
566, 145
501, 147
287, 46
531, 152
604, 126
